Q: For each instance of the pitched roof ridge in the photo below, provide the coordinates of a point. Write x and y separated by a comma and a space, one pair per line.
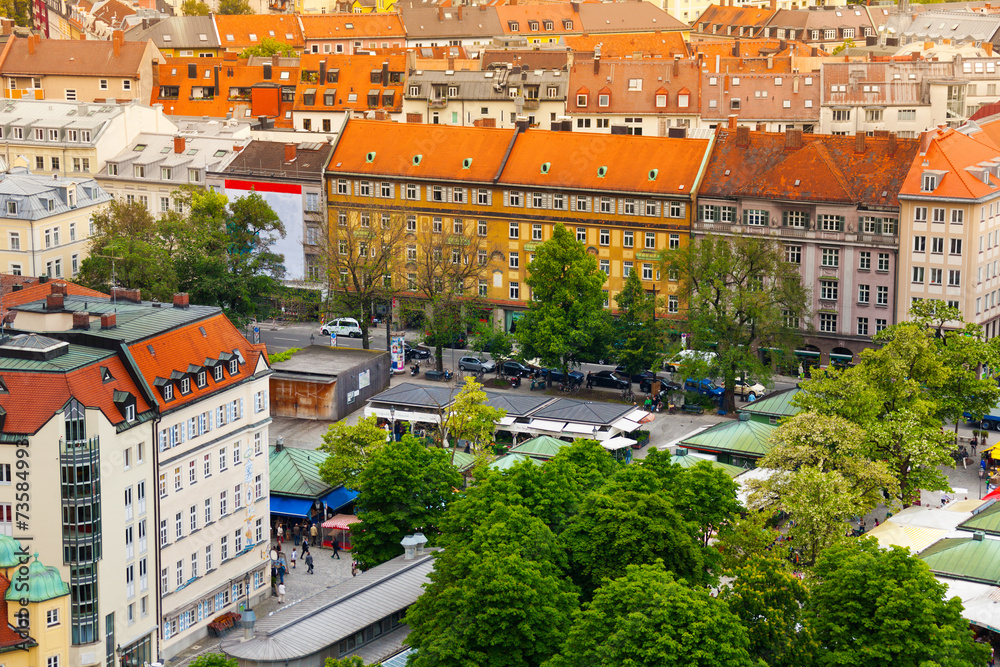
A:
834, 166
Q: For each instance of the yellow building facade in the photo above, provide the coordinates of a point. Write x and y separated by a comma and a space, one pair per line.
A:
626, 198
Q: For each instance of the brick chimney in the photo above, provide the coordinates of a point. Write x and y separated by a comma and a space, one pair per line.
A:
742, 136
81, 320
414, 117
117, 41
132, 295
440, 13
793, 139
731, 124
32, 43
54, 302
762, 127
180, 143
925, 140
891, 148
109, 321
181, 300
859, 142
289, 152
460, 12
57, 288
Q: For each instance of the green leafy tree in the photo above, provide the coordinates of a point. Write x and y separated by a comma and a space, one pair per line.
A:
565, 320
768, 599
470, 418
745, 539
126, 250
614, 528
233, 7
648, 619
404, 488
19, 10
349, 448
214, 660
499, 598
823, 476
352, 661
494, 341
639, 338
740, 294
870, 606
195, 8
706, 496
898, 394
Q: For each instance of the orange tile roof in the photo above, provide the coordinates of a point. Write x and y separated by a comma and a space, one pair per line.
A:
72, 58
753, 48
177, 349
442, 147
354, 76
522, 14
575, 158
334, 26
951, 151
825, 168
284, 28
735, 16
613, 78
665, 44
32, 398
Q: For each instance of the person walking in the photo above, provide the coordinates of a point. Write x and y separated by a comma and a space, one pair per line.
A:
590, 380
313, 531
296, 529
973, 444
281, 533
309, 562
295, 556
354, 568
336, 550
281, 573
281, 593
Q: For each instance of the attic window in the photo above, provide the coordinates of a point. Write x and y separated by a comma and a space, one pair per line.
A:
152, 352
203, 332
167, 38
139, 147
929, 182
219, 153
253, 37
602, 171
417, 159
546, 166
230, 38
466, 163
370, 157
270, 33
349, 26
797, 181
203, 37
3, 387
106, 375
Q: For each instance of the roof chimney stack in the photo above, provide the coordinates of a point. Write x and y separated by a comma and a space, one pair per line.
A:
109, 321
859, 142
31, 44
54, 302
81, 320
742, 136
732, 121
132, 295
182, 300
117, 41
58, 288
289, 152
793, 139
892, 143
180, 143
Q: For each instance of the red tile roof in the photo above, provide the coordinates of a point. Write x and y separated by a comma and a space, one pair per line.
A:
354, 76
250, 30
735, 16
825, 168
38, 291
613, 78
442, 147
32, 398
335, 26
8, 634
576, 157
522, 14
951, 152
72, 58
753, 48
664, 44
177, 349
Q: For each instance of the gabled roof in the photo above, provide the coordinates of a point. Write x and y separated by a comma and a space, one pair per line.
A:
442, 149
37, 291
241, 31
614, 77
524, 14
778, 404
511, 460
951, 151
616, 17
178, 348
965, 558
112, 12
738, 437
295, 472
354, 78
351, 26
73, 58
690, 461
178, 32
650, 44
986, 519
576, 157
821, 18
732, 15
544, 446
826, 168
408, 393
584, 412
424, 22
752, 48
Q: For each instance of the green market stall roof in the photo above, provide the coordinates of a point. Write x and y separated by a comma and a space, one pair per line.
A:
985, 518
542, 447
746, 438
510, 460
778, 405
684, 459
975, 558
296, 483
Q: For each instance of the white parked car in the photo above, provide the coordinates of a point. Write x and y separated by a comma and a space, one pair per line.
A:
342, 326
748, 389
672, 364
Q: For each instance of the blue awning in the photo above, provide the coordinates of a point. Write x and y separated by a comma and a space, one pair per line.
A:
286, 506
337, 498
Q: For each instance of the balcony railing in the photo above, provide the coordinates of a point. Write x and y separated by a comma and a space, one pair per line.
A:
437, 102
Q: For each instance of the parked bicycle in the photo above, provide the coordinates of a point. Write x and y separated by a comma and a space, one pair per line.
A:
627, 395
569, 387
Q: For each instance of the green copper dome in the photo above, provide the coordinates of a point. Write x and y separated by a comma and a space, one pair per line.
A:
44, 583
10, 550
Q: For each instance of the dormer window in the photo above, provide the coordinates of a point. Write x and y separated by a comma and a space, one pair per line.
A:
234, 366
549, 25
581, 100
168, 392
533, 25
604, 100
130, 412
186, 385
217, 373
202, 379
513, 26
929, 182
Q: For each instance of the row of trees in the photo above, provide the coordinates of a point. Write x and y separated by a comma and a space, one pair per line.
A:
583, 560
219, 251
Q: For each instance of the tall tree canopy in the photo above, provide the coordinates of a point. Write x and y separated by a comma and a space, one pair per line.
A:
639, 338
742, 296
565, 319
349, 448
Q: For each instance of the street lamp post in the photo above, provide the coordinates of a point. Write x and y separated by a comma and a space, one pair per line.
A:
392, 418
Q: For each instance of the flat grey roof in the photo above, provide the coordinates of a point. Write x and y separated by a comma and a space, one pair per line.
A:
323, 362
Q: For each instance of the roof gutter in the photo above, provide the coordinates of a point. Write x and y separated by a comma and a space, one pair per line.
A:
506, 156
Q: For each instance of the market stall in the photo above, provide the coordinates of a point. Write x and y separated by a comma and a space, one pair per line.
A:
338, 528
